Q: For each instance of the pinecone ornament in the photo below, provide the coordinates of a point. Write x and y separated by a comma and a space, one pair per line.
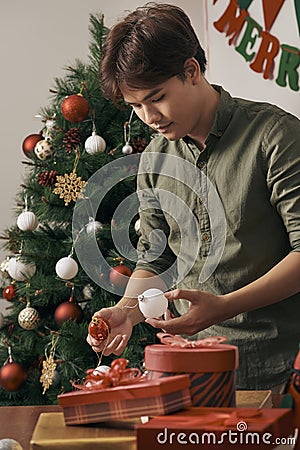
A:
139, 144
47, 178
72, 139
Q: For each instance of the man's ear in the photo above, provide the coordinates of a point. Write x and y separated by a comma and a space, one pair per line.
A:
192, 69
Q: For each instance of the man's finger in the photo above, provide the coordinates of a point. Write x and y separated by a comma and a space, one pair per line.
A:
173, 326
191, 295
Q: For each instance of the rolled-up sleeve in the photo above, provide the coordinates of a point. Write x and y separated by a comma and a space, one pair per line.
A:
282, 156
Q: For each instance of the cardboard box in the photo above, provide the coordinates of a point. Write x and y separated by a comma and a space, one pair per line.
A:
154, 397
51, 433
216, 428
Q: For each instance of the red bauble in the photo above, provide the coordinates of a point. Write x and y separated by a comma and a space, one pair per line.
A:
117, 277
12, 376
30, 142
9, 292
75, 108
68, 311
99, 328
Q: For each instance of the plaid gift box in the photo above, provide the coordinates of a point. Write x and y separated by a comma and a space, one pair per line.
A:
217, 428
144, 398
211, 366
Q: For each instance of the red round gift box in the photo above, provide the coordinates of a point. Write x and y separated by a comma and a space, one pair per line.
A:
212, 370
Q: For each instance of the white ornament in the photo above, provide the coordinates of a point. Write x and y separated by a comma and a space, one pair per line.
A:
152, 303
137, 227
1, 320
87, 292
27, 221
101, 369
95, 144
93, 226
127, 149
19, 270
66, 268
43, 149
10, 444
28, 318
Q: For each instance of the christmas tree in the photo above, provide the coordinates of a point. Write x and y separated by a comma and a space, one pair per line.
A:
51, 276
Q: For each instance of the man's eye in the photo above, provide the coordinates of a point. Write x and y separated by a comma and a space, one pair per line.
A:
155, 100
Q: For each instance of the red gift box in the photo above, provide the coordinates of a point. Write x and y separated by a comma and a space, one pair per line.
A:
217, 428
144, 398
210, 364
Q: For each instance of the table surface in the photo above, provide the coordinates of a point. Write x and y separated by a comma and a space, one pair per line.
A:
18, 422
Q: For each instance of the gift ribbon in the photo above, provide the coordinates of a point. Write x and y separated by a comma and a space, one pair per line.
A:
217, 418
178, 341
117, 375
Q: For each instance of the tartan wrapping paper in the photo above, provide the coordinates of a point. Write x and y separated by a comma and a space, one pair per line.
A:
155, 397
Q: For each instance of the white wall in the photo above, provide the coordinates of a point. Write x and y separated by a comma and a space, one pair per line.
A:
229, 68
37, 40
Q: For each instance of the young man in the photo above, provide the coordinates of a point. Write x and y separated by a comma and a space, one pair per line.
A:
250, 153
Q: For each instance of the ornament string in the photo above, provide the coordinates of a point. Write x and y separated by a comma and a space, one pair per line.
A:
127, 126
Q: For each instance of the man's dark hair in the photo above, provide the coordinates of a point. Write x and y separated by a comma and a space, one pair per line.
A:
146, 48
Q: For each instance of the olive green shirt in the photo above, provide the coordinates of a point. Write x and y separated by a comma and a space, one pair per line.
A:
251, 164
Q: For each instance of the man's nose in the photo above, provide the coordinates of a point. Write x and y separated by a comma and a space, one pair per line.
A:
151, 115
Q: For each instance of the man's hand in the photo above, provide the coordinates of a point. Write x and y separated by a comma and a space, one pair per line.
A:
121, 329
205, 310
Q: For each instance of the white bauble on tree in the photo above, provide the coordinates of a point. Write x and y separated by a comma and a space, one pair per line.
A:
137, 227
27, 221
66, 268
93, 226
20, 270
127, 149
152, 303
95, 144
28, 318
43, 149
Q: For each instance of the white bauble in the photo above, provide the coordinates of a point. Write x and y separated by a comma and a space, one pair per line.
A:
95, 144
28, 318
87, 292
27, 221
10, 444
43, 149
137, 227
19, 270
1, 320
152, 303
93, 226
127, 149
101, 369
66, 268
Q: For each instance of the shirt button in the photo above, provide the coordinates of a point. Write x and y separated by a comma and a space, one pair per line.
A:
206, 237
202, 200
201, 165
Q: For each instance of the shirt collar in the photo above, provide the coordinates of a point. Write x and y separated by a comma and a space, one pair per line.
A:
224, 112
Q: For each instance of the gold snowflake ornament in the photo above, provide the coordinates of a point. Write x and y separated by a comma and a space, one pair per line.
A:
69, 187
47, 376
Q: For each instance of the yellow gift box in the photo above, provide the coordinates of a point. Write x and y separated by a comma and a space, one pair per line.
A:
51, 433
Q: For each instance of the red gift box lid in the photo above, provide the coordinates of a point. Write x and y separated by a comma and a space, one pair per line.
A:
163, 358
142, 389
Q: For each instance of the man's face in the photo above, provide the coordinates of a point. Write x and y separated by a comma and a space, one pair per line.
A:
171, 108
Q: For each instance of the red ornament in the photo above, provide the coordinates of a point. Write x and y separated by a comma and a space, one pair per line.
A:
12, 376
68, 311
30, 142
117, 277
99, 328
9, 292
75, 108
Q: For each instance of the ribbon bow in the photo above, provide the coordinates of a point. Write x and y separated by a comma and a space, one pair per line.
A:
178, 341
117, 375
